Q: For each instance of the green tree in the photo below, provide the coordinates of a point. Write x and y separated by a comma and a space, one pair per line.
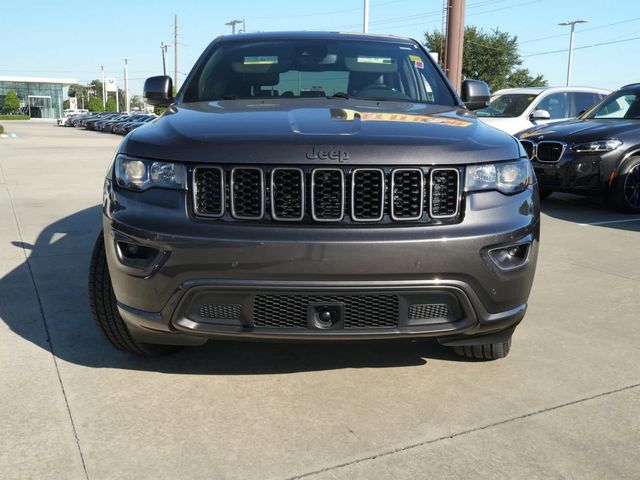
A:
11, 102
492, 57
111, 104
136, 102
95, 104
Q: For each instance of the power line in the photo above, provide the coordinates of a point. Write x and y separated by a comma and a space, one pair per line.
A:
582, 30
599, 44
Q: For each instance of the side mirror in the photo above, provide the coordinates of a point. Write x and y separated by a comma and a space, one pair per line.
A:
158, 90
540, 115
475, 94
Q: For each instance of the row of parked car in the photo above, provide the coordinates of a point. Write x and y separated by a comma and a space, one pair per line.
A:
112, 122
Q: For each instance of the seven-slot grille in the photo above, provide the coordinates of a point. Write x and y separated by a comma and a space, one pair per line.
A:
327, 194
291, 311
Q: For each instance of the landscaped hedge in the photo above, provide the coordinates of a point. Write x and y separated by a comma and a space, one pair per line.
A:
14, 117
1, 129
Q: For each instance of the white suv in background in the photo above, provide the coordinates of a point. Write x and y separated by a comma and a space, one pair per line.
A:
515, 109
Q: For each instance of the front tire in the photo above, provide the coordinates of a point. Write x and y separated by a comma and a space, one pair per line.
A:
625, 196
105, 311
487, 351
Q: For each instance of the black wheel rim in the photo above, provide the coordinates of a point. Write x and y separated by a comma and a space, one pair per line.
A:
632, 187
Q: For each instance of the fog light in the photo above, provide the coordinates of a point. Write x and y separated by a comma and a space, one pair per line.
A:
511, 257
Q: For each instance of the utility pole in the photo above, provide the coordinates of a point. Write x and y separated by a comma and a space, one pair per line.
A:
455, 42
117, 100
104, 90
164, 47
175, 54
232, 24
573, 29
126, 87
365, 18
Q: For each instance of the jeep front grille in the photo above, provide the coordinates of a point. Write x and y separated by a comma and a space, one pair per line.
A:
247, 193
445, 190
342, 194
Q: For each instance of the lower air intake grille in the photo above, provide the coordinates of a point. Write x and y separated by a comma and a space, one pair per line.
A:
444, 192
360, 311
220, 311
425, 311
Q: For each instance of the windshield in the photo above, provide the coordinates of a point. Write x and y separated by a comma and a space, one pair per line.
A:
617, 105
507, 105
367, 70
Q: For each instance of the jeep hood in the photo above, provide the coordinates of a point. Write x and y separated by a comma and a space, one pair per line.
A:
287, 130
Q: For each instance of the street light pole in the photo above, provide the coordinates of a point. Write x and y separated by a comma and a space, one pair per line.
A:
365, 18
573, 29
126, 87
104, 91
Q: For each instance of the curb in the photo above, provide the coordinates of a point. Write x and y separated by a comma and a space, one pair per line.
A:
8, 135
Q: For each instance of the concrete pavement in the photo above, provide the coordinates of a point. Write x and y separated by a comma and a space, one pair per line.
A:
564, 404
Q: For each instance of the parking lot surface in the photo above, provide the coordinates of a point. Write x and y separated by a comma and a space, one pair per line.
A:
564, 404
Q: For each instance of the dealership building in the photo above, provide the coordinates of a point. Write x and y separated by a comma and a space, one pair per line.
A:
40, 97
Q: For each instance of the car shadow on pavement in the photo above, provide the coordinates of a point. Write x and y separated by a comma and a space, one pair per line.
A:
58, 264
588, 210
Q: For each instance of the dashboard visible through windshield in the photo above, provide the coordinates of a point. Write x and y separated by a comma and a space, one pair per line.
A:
366, 70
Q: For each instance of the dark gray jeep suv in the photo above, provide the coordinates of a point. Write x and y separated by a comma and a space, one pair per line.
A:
316, 186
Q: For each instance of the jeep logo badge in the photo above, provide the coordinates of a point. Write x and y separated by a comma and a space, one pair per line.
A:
317, 154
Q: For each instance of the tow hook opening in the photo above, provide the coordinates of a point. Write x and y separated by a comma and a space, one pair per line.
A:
511, 257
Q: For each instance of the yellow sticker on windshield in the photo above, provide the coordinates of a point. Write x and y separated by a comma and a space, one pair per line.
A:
375, 60
261, 60
417, 61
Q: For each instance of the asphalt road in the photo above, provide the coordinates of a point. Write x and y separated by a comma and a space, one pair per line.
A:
564, 404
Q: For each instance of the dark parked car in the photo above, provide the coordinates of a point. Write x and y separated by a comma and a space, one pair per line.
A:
598, 153
90, 124
316, 187
127, 127
118, 127
105, 125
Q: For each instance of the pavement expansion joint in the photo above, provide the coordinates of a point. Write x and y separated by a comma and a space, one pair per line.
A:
463, 432
44, 322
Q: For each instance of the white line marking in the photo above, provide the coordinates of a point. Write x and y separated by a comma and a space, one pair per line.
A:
625, 220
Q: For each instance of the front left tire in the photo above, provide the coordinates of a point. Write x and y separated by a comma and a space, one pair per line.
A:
105, 310
625, 196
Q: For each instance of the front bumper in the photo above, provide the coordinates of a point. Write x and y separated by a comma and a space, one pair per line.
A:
577, 173
213, 263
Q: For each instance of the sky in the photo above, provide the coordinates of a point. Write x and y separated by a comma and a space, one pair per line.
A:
71, 39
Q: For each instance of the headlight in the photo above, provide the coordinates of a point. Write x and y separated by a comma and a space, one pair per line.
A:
137, 174
600, 146
505, 177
